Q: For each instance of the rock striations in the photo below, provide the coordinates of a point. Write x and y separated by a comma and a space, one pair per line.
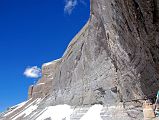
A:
44, 85
113, 60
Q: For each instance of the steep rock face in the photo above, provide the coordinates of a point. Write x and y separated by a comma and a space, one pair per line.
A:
43, 86
114, 58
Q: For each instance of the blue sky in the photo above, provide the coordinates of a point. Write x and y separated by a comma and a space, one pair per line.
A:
33, 32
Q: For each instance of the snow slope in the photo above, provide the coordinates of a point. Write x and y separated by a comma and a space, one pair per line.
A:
32, 110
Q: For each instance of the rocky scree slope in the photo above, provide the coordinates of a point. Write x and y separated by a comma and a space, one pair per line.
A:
114, 59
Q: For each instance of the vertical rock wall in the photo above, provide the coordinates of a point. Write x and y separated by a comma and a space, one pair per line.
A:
114, 58
43, 86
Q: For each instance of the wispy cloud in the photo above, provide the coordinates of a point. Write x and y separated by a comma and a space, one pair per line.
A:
83, 2
69, 6
32, 72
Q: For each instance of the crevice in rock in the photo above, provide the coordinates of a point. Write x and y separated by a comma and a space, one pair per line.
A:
78, 57
155, 12
99, 102
140, 15
101, 90
114, 89
114, 62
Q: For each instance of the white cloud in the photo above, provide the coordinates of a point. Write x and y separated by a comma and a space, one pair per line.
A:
32, 72
69, 6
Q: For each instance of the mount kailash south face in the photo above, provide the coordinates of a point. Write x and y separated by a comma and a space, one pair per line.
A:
107, 70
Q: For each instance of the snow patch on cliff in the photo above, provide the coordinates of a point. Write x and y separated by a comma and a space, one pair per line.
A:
58, 112
16, 107
93, 113
28, 109
61, 112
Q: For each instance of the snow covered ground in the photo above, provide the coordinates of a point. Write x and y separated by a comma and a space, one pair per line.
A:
58, 112
26, 112
32, 110
16, 108
63, 112
93, 113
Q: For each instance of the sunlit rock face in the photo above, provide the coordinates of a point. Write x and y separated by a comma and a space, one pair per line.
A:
115, 57
43, 86
113, 60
